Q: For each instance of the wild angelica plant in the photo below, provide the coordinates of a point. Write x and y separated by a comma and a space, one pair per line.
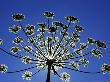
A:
52, 46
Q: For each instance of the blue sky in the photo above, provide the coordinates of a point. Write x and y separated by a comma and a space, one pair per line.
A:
94, 16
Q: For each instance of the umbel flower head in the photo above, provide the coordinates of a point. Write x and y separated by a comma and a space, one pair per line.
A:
71, 19
48, 14
17, 40
26, 60
18, 17
15, 29
105, 68
51, 46
3, 68
27, 75
15, 50
65, 77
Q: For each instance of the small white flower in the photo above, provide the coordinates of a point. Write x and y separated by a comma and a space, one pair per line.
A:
27, 75
72, 45
72, 19
15, 50
48, 14
105, 68
75, 65
84, 61
18, 17
30, 27
26, 60
3, 68
14, 29
17, 40
65, 76
28, 48
78, 51
96, 53
83, 46
76, 39
91, 41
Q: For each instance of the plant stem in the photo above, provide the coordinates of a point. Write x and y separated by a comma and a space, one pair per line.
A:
48, 74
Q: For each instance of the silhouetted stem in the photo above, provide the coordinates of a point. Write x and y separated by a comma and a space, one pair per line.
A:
48, 74
83, 71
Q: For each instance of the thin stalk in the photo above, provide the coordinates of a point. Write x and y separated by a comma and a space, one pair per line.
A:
48, 74
23, 70
48, 21
58, 45
40, 51
83, 71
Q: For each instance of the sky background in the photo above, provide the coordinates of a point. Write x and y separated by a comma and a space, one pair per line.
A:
93, 15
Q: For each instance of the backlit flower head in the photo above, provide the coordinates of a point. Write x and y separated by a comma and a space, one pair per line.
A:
18, 17
84, 61
57, 24
72, 45
14, 29
15, 50
51, 46
75, 65
97, 53
17, 40
78, 51
101, 44
65, 77
83, 46
28, 48
91, 41
27, 75
105, 68
26, 59
48, 14
3, 68
78, 28
72, 19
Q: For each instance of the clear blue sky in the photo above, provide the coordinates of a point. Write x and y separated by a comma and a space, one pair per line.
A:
94, 15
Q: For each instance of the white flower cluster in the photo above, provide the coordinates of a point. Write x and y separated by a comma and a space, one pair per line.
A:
28, 48
27, 75
75, 65
15, 50
3, 68
65, 77
47, 48
14, 29
105, 68
26, 60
